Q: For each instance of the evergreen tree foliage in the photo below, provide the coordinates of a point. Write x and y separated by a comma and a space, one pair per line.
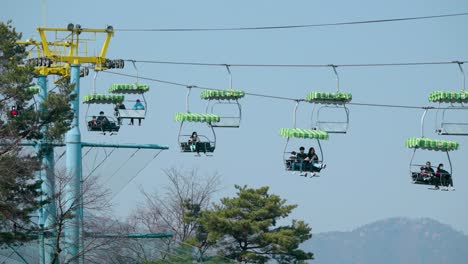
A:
185, 254
245, 228
19, 190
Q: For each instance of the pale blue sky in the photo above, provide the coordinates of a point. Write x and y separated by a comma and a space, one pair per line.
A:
367, 174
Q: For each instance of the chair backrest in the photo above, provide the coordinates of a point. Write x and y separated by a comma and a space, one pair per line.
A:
130, 113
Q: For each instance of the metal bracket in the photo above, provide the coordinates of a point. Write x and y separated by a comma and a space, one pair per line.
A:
337, 76
230, 75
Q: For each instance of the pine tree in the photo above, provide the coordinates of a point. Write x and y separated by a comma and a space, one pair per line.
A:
245, 228
20, 120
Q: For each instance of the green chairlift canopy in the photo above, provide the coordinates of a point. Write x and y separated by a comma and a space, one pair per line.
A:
229, 94
432, 144
303, 133
132, 88
103, 98
329, 98
192, 117
33, 89
448, 97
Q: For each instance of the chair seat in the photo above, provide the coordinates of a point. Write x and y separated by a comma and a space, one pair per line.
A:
202, 146
111, 127
294, 165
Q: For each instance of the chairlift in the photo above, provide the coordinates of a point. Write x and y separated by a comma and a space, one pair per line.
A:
125, 110
326, 118
330, 113
452, 120
291, 163
225, 104
205, 144
423, 143
99, 121
448, 122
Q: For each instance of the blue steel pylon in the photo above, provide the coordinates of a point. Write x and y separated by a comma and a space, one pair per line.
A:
74, 231
73, 192
48, 212
62, 61
74, 170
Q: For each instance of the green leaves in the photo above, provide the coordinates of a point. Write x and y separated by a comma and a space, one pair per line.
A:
18, 196
57, 114
19, 190
244, 228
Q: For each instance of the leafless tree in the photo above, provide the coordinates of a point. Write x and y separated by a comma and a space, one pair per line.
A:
96, 206
166, 210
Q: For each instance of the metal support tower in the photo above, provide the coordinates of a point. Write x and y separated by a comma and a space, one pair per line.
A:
69, 56
46, 175
73, 164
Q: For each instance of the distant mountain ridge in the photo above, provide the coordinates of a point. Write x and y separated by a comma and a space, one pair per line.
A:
390, 241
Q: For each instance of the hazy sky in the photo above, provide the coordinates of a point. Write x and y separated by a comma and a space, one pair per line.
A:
367, 174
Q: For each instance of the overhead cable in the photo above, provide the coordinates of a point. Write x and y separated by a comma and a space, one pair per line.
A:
266, 95
299, 65
293, 26
136, 174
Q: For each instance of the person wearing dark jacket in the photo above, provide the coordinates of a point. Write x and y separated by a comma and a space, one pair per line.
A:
300, 161
427, 173
313, 162
445, 177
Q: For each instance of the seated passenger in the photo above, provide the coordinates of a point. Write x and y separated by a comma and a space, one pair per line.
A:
313, 162
445, 178
291, 160
138, 106
195, 144
103, 122
427, 172
93, 123
118, 106
300, 161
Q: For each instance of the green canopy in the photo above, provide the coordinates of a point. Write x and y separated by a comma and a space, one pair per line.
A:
33, 89
432, 144
449, 97
192, 117
329, 98
229, 94
303, 133
103, 98
132, 88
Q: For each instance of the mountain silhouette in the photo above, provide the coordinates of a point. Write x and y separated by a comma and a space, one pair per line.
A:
390, 241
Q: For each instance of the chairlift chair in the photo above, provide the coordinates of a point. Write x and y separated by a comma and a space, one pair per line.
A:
134, 88
432, 145
325, 118
220, 100
447, 123
330, 105
206, 144
224, 103
102, 125
449, 120
424, 143
128, 112
298, 133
